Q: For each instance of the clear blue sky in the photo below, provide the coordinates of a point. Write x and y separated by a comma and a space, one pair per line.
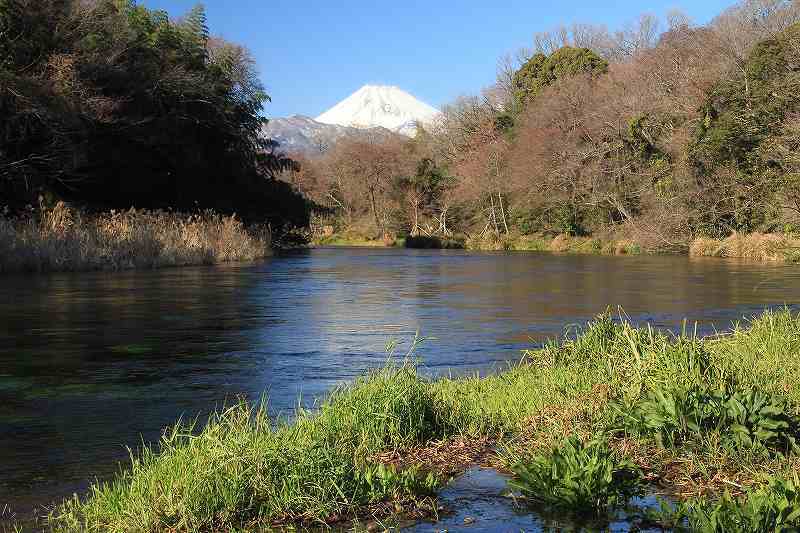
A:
314, 53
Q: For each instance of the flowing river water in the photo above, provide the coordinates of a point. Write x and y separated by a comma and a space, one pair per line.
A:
93, 363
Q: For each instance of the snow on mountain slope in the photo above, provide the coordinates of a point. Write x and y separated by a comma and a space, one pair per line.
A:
380, 105
302, 135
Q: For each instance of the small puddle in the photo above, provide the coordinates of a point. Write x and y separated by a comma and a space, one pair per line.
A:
475, 502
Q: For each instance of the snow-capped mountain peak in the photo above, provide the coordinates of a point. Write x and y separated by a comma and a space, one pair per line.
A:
380, 105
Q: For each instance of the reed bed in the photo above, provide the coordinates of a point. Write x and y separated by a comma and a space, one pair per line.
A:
559, 244
64, 239
395, 436
754, 246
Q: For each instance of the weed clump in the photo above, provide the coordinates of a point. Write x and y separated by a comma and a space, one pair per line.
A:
379, 483
743, 418
577, 476
771, 508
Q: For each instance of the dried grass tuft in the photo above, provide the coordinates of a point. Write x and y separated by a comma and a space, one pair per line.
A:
755, 246
64, 239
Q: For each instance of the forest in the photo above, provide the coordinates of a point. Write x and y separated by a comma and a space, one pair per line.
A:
665, 135
105, 104
661, 136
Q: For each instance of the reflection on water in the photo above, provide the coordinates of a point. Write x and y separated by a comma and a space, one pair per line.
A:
91, 363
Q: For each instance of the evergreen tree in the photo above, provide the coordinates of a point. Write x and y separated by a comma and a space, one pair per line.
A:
541, 70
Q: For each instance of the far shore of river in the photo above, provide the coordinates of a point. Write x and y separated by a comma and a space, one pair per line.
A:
772, 247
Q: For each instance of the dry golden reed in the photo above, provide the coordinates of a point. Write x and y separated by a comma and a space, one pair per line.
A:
64, 239
755, 246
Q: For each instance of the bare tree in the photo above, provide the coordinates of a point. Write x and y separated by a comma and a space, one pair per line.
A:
363, 175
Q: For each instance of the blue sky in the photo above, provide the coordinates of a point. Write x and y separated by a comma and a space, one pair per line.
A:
314, 53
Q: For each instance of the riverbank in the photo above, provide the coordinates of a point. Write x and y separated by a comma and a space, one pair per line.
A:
668, 410
64, 239
770, 247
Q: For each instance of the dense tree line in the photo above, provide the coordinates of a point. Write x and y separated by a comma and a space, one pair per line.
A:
664, 131
108, 104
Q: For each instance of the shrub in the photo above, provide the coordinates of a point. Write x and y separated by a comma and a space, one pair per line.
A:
428, 242
756, 246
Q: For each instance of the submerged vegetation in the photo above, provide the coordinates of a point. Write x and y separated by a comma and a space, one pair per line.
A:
553, 420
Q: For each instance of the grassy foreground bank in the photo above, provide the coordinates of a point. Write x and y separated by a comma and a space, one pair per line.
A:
656, 403
64, 239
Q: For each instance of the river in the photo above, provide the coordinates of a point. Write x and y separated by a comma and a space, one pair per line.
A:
92, 363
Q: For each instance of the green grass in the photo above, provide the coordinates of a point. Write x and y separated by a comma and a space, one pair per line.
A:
771, 507
578, 475
242, 471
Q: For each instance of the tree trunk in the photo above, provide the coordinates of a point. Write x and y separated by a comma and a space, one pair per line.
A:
378, 224
503, 212
415, 229
494, 216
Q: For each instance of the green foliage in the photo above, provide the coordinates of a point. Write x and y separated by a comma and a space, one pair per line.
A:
774, 507
29, 30
568, 219
742, 112
744, 418
504, 123
432, 243
644, 133
195, 33
529, 80
569, 61
541, 70
555, 219
109, 104
380, 483
528, 220
742, 115
584, 478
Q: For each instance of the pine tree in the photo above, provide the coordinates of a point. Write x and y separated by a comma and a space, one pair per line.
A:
195, 32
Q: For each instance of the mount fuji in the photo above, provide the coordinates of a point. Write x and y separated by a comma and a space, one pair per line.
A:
381, 106
373, 113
